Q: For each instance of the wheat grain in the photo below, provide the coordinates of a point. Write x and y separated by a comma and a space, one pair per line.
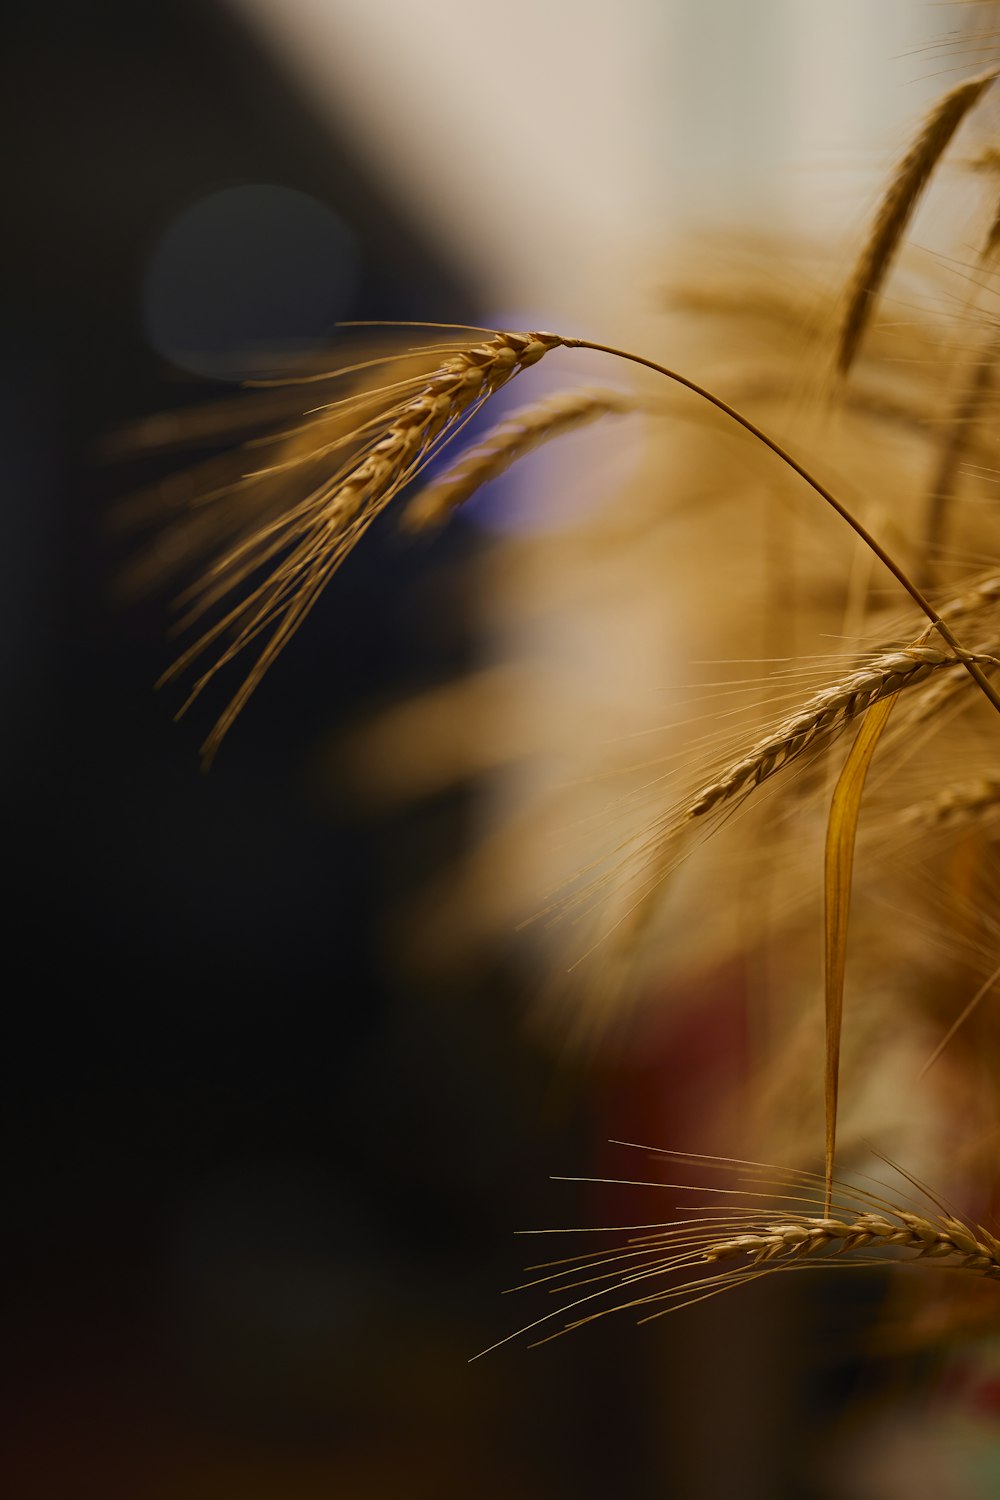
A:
897, 206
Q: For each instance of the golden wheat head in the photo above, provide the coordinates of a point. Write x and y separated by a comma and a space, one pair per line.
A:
777, 1223
897, 206
306, 545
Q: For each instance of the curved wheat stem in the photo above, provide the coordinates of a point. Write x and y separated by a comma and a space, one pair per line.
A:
873, 545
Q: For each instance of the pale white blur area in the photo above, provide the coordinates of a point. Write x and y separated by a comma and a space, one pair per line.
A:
553, 144
566, 153
520, 134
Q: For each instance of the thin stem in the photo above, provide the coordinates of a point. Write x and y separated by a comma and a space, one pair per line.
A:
911, 588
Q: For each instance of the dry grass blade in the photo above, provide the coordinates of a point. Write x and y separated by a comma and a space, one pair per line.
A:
897, 207
839, 865
510, 440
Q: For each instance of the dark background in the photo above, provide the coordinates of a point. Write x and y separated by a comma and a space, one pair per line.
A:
260, 1181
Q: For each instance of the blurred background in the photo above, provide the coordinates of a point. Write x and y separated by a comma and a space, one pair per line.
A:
265, 1156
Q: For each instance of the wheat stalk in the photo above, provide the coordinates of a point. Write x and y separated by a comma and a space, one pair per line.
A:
897, 206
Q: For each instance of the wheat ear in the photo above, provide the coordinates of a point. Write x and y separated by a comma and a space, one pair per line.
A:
897, 206
510, 440
315, 536
891, 672
661, 1267
973, 1248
